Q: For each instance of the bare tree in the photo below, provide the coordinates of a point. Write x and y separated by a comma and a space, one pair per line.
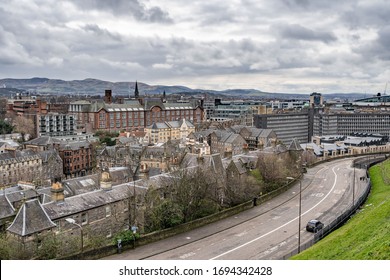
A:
240, 190
275, 168
24, 126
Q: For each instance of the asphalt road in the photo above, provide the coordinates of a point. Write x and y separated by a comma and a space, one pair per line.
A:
268, 231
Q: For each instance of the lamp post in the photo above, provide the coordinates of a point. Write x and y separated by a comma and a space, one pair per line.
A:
134, 192
134, 230
299, 212
73, 222
353, 187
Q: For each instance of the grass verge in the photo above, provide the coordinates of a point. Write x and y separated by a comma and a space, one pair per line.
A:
366, 236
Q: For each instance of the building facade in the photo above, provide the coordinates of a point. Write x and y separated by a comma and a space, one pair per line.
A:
346, 123
78, 158
172, 130
134, 115
55, 125
30, 166
287, 126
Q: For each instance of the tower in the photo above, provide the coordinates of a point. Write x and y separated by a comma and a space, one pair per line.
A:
136, 92
108, 96
164, 97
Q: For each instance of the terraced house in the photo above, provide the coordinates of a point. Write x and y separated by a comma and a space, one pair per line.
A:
41, 167
172, 130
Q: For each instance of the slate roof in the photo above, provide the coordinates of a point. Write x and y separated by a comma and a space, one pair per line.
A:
48, 154
177, 124
278, 149
237, 128
233, 137
6, 208
159, 125
295, 146
127, 140
212, 162
120, 174
262, 133
31, 218
75, 145
239, 166
81, 185
44, 141
21, 156
319, 150
21, 194
84, 202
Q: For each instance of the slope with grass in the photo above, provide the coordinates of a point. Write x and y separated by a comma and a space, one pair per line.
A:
366, 236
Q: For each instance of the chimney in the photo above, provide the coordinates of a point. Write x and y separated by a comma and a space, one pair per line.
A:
105, 181
57, 192
108, 96
12, 151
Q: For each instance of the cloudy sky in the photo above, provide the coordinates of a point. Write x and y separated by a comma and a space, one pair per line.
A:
294, 46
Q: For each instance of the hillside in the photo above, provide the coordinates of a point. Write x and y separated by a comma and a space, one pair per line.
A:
97, 87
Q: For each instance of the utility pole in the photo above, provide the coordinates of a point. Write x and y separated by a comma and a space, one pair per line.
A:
353, 186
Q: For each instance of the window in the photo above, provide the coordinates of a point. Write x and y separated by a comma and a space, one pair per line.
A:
84, 218
108, 211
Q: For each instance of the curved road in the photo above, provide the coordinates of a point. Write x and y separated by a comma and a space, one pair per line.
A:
270, 230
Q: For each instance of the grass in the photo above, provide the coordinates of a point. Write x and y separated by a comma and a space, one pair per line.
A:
366, 236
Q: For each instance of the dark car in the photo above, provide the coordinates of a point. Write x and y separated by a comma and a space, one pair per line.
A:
314, 226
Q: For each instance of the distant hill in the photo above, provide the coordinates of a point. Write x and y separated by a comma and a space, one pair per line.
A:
97, 87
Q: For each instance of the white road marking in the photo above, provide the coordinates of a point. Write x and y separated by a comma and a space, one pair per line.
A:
185, 256
317, 194
272, 231
241, 234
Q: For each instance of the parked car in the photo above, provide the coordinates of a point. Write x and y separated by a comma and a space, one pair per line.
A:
314, 226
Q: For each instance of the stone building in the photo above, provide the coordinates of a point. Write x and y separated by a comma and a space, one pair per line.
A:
162, 158
172, 130
78, 158
98, 211
256, 138
18, 165
134, 115
227, 143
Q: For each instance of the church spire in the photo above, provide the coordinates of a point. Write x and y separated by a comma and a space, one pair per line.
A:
136, 92
164, 97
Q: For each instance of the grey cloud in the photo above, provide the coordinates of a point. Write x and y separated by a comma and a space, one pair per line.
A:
365, 15
294, 3
298, 32
132, 8
94, 28
379, 48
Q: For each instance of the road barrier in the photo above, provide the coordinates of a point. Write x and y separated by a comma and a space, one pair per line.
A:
341, 219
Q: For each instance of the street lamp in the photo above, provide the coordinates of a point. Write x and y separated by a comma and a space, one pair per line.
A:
134, 192
300, 211
73, 222
134, 230
353, 186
